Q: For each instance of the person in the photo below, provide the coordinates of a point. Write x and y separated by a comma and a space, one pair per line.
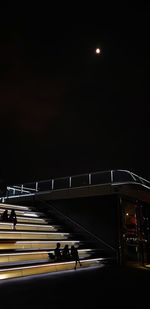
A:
4, 216
75, 255
65, 253
13, 218
57, 252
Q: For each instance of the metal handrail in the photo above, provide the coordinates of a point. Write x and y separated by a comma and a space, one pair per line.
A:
23, 188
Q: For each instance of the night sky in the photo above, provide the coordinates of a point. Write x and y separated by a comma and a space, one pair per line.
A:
64, 109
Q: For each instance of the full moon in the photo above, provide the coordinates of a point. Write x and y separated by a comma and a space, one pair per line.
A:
98, 51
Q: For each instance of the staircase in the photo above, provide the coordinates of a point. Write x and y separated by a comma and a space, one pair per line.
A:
25, 250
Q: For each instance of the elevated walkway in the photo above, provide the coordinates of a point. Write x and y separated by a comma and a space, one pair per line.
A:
111, 182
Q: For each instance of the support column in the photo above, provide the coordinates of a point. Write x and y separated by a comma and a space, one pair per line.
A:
121, 257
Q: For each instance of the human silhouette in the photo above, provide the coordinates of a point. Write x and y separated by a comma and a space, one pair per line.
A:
75, 255
13, 218
4, 216
57, 252
65, 253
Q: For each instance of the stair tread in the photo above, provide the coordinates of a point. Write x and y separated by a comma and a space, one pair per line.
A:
22, 254
48, 262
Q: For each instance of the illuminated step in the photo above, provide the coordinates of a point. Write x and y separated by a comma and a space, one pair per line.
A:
18, 257
30, 220
16, 272
147, 265
35, 256
17, 207
29, 214
35, 245
29, 227
21, 219
32, 235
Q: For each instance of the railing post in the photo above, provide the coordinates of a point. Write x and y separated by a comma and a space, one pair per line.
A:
52, 184
90, 179
36, 186
21, 189
69, 182
112, 176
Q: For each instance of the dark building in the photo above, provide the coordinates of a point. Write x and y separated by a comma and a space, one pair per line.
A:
112, 208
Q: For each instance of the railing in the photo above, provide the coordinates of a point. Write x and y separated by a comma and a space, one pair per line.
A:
112, 177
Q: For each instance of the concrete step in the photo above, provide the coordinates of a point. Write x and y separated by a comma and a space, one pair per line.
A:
28, 227
13, 235
34, 244
29, 257
32, 220
38, 269
25, 213
16, 207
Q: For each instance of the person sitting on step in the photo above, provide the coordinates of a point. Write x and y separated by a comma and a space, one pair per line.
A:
4, 216
65, 253
57, 252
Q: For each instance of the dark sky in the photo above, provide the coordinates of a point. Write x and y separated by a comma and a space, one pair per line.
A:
65, 110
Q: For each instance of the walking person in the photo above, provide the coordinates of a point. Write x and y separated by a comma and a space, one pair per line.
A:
75, 255
13, 218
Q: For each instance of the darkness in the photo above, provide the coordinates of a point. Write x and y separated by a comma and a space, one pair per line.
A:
64, 109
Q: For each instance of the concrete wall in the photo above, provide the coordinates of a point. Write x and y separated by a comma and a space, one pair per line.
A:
97, 214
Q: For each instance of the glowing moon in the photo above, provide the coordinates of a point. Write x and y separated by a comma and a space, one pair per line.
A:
98, 51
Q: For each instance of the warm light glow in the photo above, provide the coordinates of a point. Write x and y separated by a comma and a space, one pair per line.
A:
34, 233
30, 215
98, 50
10, 206
127, 214
47, 242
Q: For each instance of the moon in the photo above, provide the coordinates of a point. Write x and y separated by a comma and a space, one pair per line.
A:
98, 51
